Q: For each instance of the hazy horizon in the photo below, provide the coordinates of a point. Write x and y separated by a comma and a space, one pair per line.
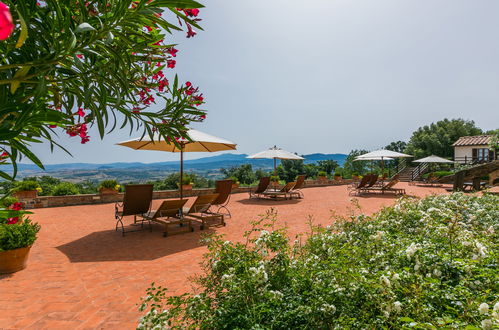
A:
328, 76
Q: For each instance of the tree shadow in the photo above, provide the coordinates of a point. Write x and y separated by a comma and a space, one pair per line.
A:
268, 201
110, 245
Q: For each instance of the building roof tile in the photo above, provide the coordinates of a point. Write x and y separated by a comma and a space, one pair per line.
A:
477, 140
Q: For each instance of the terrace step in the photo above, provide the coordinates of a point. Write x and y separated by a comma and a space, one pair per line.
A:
406, 174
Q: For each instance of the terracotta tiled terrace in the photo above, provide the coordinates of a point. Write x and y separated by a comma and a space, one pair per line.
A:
84, 275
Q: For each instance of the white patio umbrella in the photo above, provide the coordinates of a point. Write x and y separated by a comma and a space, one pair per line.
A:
199, 142
275, 153
433, 159
383, 155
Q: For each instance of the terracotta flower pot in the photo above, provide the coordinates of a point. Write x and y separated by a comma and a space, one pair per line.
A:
235, 185
337, 178
187, 187
107, 191
322, 178
26, 194
13, 260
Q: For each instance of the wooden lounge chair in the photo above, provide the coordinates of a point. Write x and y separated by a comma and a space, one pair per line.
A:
168, 213
389, 187
200, 210
366, 179
296, 189
223, 188
283, 193
136, 202
262, 186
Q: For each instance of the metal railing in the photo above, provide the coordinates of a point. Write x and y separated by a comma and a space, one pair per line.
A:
418, 171
473, 160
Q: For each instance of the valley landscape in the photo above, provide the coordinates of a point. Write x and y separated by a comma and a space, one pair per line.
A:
208, 167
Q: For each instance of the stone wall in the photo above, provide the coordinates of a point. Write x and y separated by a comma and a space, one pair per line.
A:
56, 201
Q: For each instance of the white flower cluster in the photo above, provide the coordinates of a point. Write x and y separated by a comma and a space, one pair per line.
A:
259, 273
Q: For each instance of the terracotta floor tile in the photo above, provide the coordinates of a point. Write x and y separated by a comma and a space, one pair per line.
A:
82, 274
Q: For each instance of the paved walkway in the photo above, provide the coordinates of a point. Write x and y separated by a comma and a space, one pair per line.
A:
82, 274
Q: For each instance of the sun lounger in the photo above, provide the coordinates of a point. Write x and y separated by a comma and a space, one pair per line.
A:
200, 210
262, 186
168, 213
366, 179
282, 193
136, 202
223, 188
296, 189
389, 187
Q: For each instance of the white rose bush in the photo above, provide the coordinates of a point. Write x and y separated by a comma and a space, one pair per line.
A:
423, 264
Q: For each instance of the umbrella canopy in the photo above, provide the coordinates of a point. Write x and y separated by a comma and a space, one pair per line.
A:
383, 154
433, 159
275, 153
372, 158
197, 142
200, 142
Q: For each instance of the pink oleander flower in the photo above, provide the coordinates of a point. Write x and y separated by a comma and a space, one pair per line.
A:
80, 112
190, 31
12, 221
170, 63
172, 51
6, 25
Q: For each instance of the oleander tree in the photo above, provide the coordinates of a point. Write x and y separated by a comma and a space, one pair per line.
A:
67, 65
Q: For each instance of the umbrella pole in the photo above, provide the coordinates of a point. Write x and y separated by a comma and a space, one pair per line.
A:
181, 171
275, 169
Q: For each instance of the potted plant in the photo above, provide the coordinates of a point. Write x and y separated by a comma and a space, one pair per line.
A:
274, 180
322, 176
186, 183
17, 235
355, 176
235, 182
337, 176
108, 187
26, 189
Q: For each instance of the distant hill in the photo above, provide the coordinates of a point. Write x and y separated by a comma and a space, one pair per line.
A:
208, 166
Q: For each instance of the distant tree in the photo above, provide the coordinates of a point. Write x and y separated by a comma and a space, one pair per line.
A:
65, 188
171, 181
327, 165
352, 166
310, 170
244, 173
398, 146
290, 169
437, 138
259, 173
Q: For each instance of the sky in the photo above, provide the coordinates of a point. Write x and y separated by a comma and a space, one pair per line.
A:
327, 76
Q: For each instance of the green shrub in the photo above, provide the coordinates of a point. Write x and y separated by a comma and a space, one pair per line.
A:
26, 186
186, 180
274, 178
110, 184
422, 264
234, 180
7, 201
18, 235
64, 189
437, 174
321, 173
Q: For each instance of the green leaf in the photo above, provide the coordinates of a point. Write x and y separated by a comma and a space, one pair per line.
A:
84, 27
24, 32
19, 74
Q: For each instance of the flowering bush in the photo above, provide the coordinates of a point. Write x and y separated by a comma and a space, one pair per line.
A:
66, 65
65, 189
110, 184
26, 185
16, 231
427, 263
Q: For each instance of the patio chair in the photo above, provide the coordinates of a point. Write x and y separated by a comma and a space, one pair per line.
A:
284, 192
168, 213
262, 186
296, 189
200, 210
136, 202
223, 188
